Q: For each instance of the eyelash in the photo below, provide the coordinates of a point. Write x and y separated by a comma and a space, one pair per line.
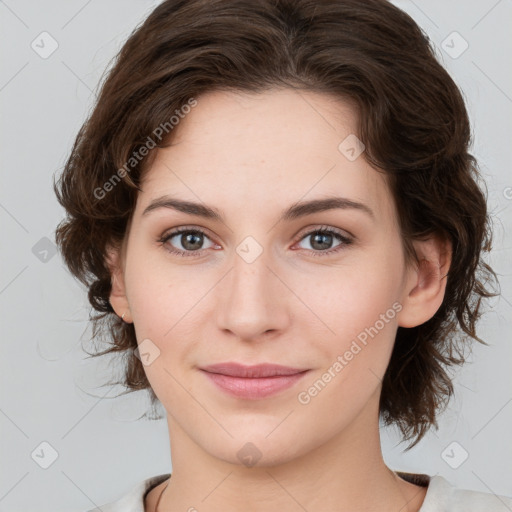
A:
345, 241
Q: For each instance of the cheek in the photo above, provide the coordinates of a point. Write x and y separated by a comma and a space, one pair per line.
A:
167, 303
354, 351
162, 293
355, 309
351, 297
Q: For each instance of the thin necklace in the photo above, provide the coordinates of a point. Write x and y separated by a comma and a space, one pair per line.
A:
160, 497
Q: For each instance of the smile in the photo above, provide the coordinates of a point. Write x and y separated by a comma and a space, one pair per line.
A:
253, 382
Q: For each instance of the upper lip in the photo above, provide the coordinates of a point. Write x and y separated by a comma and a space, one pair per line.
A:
255, 371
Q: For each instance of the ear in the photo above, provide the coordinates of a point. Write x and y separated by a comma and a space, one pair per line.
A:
425, 286
118, 299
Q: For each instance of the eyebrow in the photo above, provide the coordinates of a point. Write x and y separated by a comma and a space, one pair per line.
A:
296, 210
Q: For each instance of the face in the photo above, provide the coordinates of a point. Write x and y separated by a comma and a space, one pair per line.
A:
321, 290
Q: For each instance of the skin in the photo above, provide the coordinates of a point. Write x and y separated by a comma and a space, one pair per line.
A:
252, 156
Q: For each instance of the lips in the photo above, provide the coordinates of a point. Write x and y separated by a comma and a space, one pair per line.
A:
252, 382
252, 372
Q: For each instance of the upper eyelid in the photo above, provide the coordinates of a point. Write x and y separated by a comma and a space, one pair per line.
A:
312, 229
176, 231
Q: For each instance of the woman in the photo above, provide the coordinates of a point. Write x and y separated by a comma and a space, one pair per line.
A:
275, 212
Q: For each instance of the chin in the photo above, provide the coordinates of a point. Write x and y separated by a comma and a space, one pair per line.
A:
255, 450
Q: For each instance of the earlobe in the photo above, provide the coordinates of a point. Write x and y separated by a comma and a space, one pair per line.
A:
425, 286
118, 299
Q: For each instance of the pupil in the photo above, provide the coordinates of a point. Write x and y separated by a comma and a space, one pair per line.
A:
189, 241
318, 237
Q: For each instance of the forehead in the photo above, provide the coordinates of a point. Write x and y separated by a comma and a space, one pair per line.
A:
255, 151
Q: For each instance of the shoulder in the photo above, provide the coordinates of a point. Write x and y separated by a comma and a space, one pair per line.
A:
133, 500
442, 496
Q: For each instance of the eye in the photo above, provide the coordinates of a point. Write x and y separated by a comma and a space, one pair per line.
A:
189, 242
321, 240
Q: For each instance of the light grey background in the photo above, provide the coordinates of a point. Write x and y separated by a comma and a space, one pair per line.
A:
49, 389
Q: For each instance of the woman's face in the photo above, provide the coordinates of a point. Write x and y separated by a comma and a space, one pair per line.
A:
256, 285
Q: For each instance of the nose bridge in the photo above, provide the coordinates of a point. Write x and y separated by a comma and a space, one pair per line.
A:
251, 304
250, 274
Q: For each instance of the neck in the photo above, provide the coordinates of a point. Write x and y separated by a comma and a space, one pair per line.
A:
347, 472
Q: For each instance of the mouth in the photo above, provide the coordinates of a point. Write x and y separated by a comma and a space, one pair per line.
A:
253, 382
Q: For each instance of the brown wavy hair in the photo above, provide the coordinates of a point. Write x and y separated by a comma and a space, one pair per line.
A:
412, 120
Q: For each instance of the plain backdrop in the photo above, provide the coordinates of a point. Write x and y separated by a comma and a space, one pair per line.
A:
66, 444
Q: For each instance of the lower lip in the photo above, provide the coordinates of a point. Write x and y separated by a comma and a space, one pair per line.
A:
254, 389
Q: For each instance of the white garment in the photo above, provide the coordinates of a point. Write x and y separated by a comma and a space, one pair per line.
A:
441, 496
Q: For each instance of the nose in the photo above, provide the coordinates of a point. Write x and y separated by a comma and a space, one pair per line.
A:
253, 301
